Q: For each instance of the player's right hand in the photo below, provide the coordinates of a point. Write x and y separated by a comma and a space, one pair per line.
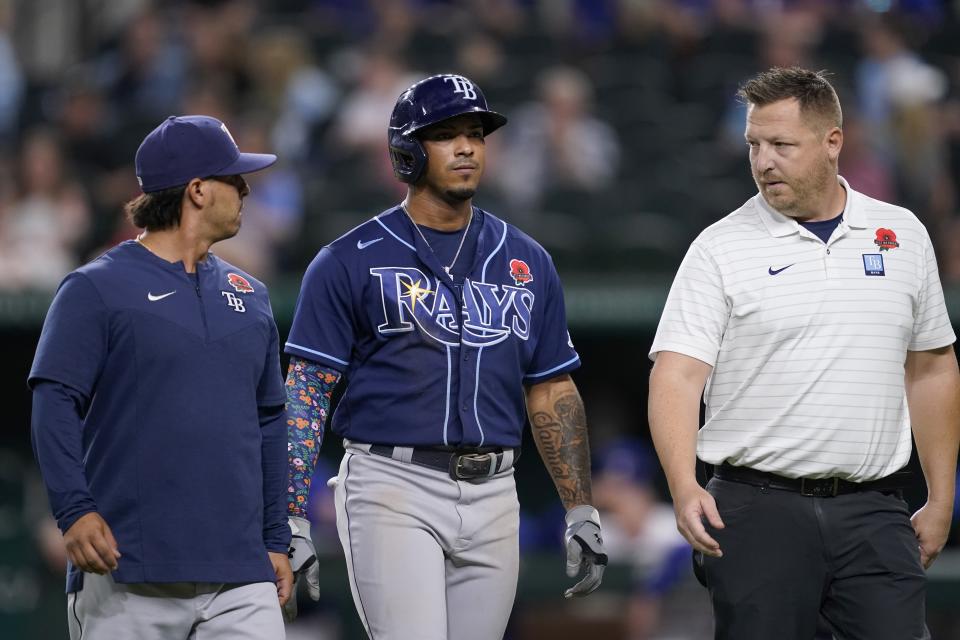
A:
692, 505
584, 546
91, 546
303, 561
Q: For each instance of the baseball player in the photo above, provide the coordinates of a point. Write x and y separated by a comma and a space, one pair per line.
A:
813, 322
158, 416
448, 326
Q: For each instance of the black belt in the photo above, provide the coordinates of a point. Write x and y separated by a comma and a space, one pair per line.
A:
461, 464
817, 488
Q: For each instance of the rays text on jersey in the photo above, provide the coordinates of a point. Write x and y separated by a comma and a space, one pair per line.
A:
489, 314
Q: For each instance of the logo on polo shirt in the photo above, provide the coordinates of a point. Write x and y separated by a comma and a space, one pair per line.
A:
873, 264
886, 239
238, 282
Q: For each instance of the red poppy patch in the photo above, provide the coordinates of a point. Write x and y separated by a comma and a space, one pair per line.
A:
886, 239
520, 272
238, 282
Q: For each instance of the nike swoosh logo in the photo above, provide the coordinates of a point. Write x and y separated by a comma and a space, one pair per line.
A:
153, 298
774, 272
363, 245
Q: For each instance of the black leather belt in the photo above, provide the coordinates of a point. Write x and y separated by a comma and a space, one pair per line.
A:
461, 464
817, 488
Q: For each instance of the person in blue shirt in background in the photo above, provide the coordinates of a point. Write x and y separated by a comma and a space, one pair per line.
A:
158, 412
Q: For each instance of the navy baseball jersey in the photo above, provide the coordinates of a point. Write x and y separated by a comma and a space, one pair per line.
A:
183, 434
430, 361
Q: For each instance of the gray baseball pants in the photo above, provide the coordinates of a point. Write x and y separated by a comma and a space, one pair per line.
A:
429, 558
104, 610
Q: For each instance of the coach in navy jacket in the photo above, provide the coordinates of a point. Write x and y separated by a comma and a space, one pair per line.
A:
158, 412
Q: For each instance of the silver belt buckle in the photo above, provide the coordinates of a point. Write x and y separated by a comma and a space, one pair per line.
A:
819, 489
457, 471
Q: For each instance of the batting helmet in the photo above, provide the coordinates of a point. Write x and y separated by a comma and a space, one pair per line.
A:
425, 103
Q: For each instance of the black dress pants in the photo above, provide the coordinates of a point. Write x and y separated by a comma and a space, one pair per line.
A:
790, 559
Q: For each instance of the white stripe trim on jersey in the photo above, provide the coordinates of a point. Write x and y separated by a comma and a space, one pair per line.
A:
556, 368
317, 353
476, 388
399, 239
476, 378
503, 236
446, 412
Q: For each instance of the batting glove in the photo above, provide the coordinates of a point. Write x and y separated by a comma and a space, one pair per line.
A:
584, 550
303, 562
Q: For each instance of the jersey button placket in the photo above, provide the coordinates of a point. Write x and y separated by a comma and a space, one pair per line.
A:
465, 374
464, 378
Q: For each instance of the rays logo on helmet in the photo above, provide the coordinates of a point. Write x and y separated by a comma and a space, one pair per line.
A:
461, 85
238, 282
520, 272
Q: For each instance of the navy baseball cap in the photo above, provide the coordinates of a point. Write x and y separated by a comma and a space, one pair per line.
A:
186, 147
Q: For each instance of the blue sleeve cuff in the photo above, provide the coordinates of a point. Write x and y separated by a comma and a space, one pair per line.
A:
277, 538
66, 521
553, 372
338, 364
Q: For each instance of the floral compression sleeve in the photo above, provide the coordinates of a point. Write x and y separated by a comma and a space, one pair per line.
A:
309, 387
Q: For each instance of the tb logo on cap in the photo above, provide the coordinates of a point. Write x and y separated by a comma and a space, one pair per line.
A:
462, 85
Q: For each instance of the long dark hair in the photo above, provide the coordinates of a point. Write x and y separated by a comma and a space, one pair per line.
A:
158, 210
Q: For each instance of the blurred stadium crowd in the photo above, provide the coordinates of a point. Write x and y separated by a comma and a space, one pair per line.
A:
625, 139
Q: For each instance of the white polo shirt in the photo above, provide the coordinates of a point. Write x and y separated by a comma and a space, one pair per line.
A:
807, 340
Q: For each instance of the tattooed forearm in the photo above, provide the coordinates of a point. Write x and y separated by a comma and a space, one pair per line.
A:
560, 432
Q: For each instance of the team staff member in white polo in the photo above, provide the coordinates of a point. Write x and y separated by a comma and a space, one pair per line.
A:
805, 318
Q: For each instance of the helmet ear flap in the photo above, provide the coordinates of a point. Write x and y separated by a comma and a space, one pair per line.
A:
408, 157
